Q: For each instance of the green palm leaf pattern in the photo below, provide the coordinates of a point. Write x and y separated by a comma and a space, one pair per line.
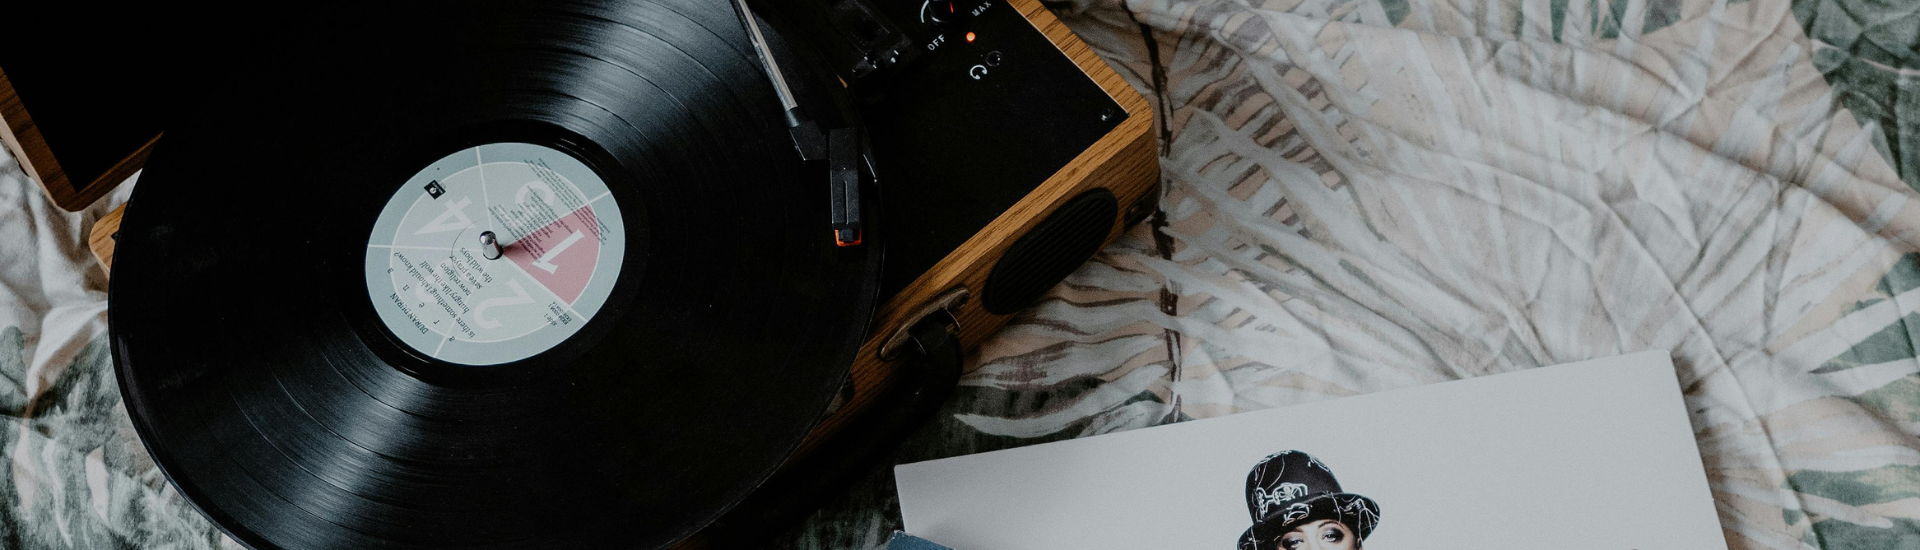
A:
79, 477
1359, 195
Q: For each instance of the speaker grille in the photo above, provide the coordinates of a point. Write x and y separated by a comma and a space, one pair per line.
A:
1050, 251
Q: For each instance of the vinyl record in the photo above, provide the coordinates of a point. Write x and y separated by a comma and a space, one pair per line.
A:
318, 349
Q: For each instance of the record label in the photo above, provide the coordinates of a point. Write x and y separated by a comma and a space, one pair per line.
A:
443, 291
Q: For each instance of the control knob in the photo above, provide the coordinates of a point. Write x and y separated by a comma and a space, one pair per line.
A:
939, 12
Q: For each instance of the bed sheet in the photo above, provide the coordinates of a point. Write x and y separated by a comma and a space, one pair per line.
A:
1364, 195
1358, 195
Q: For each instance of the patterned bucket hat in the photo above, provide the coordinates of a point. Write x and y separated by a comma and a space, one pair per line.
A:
1290, 488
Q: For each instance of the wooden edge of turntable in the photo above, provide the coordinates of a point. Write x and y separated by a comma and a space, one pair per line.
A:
1124, 161
1083, 55
102, 237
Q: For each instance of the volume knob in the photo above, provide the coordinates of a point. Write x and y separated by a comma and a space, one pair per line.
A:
939, 12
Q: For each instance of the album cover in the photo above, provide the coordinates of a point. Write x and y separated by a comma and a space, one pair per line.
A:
1598, 454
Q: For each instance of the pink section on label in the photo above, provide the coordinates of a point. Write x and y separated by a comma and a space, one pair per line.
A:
561, 255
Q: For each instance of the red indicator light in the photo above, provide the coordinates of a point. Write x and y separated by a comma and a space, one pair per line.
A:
969, 37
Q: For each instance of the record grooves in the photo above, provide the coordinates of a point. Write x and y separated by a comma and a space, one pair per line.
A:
280, 388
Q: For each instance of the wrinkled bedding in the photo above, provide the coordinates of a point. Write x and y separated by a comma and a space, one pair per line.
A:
1357, 196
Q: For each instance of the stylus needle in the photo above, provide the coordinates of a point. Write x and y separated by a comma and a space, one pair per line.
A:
843, 182
839, 148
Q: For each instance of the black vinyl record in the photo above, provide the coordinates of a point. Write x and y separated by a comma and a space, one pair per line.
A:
299, 401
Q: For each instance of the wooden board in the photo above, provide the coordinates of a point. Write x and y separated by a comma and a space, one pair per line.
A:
101, 239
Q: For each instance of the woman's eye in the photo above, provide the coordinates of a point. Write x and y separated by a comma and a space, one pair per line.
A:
1332, 535
1291, 543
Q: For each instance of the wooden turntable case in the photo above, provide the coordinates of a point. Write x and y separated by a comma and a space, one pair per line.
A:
1122, 162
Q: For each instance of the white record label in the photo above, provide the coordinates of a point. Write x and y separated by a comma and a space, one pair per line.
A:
431, 281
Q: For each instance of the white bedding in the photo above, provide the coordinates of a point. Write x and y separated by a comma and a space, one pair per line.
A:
1360, 195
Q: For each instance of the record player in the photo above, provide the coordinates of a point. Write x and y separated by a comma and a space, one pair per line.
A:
546, 269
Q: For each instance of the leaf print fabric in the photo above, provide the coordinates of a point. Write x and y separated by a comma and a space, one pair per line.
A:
1358, 195
1368, 195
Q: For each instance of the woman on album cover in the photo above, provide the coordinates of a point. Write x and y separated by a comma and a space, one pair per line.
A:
1297, 504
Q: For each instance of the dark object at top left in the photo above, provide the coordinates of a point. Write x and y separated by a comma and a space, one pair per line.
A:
85, 89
